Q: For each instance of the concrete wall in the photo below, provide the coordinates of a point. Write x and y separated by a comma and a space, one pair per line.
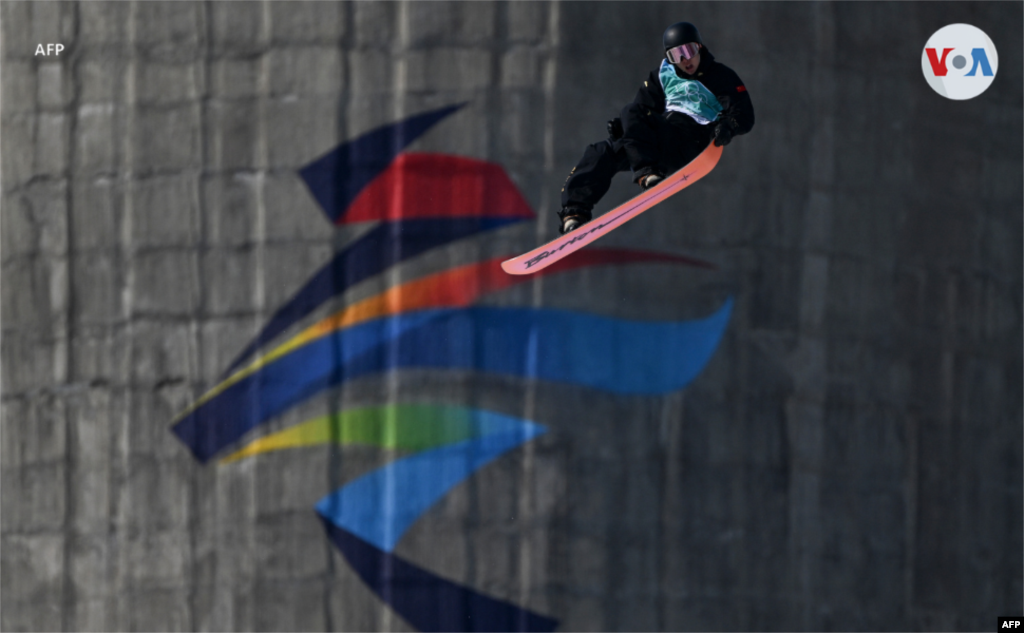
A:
850, 459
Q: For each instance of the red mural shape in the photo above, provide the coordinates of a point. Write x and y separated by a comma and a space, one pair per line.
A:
426, 185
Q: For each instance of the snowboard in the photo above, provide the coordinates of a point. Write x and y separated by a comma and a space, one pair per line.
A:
564, 245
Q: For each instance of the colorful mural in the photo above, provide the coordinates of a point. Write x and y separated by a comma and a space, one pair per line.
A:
423, 201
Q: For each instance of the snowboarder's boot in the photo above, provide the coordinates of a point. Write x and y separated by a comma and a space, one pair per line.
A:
650, 180
573, 218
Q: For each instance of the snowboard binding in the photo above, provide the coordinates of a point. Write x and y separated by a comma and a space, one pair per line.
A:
573, 218
650, 180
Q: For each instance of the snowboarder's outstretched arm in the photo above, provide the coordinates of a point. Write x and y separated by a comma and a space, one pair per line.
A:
737, 109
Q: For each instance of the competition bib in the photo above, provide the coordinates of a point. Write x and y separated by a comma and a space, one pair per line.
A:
688, 96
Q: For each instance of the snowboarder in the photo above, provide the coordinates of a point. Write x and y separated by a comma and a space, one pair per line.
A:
688, 102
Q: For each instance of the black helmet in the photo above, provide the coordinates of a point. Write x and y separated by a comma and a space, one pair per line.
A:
680, 33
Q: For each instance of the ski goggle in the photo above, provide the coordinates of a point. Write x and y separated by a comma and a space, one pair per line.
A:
681, 52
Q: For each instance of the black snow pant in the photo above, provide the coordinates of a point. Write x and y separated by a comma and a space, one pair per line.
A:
650, 143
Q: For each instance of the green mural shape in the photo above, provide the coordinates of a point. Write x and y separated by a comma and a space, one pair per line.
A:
408, 427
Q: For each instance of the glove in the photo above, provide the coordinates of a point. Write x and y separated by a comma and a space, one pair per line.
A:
615, 129
723, 133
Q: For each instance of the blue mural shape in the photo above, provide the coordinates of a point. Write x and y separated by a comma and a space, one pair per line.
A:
626, 357
419, 481
427, 601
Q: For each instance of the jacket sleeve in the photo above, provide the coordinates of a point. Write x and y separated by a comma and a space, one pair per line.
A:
651, 95
737, 108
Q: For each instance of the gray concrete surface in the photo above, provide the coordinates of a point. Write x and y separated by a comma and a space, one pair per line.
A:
851, 458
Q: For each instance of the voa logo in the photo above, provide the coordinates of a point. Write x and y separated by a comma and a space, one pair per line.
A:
959, 61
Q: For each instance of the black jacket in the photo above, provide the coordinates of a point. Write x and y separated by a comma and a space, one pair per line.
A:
722, 81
